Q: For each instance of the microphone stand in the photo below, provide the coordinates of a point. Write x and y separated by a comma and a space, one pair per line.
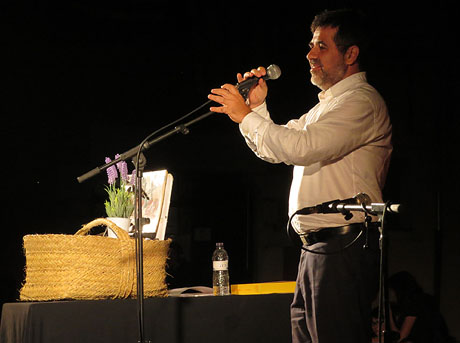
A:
377, 209
135, 153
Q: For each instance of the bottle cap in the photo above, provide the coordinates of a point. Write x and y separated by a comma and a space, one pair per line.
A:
219, 245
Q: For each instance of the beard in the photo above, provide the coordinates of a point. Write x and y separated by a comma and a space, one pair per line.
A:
326, 78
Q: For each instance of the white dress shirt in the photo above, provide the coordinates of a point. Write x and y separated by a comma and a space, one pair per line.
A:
340, 148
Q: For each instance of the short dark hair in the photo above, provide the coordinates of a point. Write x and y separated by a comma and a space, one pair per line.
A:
352, 29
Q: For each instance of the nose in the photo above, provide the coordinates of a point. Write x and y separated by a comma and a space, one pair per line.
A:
312, 54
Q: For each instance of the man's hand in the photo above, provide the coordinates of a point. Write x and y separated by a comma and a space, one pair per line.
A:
233, 104
258, 93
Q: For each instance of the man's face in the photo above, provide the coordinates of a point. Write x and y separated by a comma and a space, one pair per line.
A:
326, 61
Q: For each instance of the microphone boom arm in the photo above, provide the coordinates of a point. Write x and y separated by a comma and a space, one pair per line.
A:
375, 209
183, 128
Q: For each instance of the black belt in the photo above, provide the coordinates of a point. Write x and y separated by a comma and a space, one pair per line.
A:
327, 233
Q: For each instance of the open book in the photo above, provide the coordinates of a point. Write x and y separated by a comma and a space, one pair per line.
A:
194, 291
157, 187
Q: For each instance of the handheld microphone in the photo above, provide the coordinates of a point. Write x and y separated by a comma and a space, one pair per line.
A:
273, 72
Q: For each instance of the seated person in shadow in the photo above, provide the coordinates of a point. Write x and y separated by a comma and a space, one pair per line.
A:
390, 334
415, 315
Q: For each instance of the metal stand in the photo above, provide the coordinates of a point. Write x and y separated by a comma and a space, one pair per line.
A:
383, 307
140, 163
380, 210
360, 203
137, 152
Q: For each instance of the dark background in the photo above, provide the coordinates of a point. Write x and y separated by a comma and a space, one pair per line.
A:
82, 80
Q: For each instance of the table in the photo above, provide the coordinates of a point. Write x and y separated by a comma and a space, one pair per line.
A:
234, 318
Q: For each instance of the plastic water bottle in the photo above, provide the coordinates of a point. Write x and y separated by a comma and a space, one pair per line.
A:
220, 276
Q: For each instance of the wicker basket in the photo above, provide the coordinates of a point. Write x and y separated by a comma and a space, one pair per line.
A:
83, 266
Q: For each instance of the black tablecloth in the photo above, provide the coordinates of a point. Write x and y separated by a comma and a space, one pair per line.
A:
236, 319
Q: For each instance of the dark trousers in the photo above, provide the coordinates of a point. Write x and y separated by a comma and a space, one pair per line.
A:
334, 293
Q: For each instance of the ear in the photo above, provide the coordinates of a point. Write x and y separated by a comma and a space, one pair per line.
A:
351, 55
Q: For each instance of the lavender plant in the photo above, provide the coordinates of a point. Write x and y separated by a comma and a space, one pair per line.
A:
121, 196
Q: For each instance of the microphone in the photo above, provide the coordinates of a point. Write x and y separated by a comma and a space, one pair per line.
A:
273, 72
361, 202
338, 206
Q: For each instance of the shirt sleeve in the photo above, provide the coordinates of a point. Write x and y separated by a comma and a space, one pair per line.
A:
251, 128
348, 125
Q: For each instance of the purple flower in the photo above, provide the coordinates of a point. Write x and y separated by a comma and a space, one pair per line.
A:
111, 172
123, 168
133, 178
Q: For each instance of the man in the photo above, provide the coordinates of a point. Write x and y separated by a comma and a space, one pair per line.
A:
340, 148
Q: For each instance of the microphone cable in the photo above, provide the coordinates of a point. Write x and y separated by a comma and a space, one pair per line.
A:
290, 231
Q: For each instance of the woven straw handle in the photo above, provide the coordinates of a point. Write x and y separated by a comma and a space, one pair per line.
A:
121, 234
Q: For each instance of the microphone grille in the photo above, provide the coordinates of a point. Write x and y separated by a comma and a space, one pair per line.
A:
273, 72
362, 198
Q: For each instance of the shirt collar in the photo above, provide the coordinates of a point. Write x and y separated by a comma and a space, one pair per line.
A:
342, 86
